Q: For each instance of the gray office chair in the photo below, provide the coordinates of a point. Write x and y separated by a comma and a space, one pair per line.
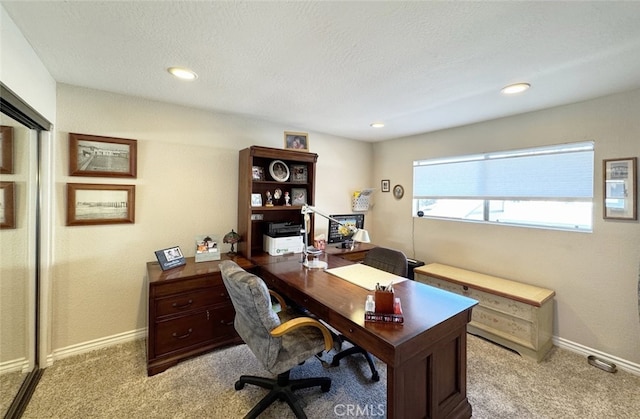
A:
388, 260
280, 341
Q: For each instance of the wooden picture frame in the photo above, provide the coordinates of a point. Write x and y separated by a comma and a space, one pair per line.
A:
620, 188
93, 155
296, 141
298, 196
385, 185
299, 173
92, 204
6, 149
7, 205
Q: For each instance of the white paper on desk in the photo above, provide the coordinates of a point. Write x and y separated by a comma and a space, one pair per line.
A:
365, 276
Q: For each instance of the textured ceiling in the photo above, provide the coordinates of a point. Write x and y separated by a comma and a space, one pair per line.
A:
336, 67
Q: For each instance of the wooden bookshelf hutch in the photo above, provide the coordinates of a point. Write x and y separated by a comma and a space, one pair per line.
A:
253, 221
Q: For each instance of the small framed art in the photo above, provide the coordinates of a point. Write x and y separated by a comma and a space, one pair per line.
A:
299, 173
256, 200
6, 149
7, 205
92, 155
620, 188
296, 141
170, 257
257, 173
385, 185
299, 196
91, 204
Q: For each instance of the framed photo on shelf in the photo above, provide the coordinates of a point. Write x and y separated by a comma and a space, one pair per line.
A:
296, 141
256, 200
620, 188
257, 173
7, 205
279, 171
170, 257
91, 204
385, 185
92, 155
299, 173
299, 196
6, 149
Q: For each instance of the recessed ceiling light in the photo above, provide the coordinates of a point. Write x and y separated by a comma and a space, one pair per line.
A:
182, 73
376, 125
515, 88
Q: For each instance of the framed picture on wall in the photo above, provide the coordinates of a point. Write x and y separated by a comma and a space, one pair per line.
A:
6, 149
91, 204
92, 155
385, 185
7, 205
620, 188
296, 141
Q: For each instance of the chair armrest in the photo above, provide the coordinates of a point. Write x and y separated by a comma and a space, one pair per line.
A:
283, 304
304, 322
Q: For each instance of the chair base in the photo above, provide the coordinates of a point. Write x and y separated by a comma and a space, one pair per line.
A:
357, 350
282, 389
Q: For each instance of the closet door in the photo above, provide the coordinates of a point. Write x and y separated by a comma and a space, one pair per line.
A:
19, 251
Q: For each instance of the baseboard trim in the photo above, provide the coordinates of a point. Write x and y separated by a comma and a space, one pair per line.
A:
21, 364
92, 345
132, 335
623, 364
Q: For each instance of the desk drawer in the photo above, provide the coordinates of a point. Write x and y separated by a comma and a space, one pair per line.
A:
308, 303
183, 332
181, 303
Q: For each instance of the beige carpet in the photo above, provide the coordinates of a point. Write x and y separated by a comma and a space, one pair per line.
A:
112, 383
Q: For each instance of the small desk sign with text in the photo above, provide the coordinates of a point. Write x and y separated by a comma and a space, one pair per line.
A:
171, 257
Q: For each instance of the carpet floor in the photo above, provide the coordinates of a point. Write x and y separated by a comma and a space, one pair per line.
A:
112, 383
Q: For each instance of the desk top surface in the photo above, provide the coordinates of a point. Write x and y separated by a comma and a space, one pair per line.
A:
423, 306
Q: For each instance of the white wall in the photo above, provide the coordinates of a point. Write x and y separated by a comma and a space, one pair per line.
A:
594, 275
23, 72
186, 186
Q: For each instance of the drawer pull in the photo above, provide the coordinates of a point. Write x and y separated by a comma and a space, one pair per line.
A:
186, 335
188, 303
464, 287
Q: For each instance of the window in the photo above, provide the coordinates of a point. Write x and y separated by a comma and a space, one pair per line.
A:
548, 187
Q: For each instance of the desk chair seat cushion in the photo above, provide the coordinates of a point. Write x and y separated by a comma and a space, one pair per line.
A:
255, 319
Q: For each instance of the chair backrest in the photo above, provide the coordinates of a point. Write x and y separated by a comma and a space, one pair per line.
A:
389, 260
255, 318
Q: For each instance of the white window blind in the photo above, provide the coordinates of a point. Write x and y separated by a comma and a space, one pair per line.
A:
562, 172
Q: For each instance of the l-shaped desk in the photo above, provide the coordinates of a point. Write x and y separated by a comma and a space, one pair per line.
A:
426, 357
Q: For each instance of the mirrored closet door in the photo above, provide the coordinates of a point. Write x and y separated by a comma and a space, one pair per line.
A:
19, 251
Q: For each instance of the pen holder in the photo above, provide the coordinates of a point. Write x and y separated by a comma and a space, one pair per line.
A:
384, 302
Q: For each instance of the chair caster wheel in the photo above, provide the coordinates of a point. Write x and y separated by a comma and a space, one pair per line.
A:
239, 385
375, 377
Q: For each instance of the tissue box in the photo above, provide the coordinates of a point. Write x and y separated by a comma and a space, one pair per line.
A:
278, 246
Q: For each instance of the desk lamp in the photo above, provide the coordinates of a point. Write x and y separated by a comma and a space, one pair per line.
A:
360, 235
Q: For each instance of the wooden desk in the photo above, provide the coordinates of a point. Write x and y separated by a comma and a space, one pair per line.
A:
189, 312
426, 357
356, 254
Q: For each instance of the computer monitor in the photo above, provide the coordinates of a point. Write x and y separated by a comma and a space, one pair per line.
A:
334, 235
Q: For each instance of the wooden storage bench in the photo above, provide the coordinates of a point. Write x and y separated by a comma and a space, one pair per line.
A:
513, 314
